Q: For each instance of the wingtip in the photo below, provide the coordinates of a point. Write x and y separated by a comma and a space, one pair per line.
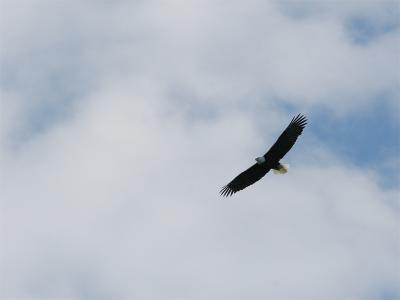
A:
226, 191
300, 119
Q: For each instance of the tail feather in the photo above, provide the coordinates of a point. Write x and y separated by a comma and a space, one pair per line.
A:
282, 169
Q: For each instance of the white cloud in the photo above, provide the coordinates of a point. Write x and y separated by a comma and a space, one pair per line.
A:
218, 52
123, 202
119, 199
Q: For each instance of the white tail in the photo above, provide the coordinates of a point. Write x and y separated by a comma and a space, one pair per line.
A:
282, 169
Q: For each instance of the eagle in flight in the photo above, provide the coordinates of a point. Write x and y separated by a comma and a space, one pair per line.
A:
270, 160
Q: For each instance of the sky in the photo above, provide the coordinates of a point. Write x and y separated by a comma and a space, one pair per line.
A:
121, 120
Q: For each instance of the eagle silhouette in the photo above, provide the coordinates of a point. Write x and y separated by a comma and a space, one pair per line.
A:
270, 160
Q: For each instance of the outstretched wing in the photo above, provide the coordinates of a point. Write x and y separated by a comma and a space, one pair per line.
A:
287, 139
244, 179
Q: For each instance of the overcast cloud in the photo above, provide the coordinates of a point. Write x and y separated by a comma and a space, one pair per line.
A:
121, 120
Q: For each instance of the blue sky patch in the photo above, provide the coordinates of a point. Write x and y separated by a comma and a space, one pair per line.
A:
367, 138
362, 30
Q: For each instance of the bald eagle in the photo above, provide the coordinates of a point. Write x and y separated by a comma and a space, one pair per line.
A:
270, 160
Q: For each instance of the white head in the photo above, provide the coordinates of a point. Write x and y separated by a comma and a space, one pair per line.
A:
260, 159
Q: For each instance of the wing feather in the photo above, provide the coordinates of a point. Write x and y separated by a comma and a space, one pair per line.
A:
287, 139
244, 179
